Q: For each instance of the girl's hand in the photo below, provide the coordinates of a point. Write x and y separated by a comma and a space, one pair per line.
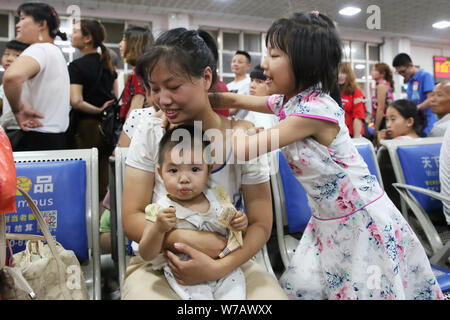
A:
166, 219
239, 222
254, 130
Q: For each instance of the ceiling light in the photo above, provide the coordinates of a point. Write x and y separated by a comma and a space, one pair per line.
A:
349, 11
441, 24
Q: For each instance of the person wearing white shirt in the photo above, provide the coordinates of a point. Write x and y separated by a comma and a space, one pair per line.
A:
42, 111
440, 105
444, 172
240, 65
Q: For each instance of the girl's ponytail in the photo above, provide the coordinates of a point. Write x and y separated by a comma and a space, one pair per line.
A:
420, 122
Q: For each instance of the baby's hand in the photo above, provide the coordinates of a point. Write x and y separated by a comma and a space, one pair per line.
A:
239, 222
166, 219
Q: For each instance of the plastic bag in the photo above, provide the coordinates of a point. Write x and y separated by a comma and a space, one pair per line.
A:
8, 182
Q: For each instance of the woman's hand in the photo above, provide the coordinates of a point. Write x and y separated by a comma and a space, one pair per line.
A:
28, 118
106, 104
199, 268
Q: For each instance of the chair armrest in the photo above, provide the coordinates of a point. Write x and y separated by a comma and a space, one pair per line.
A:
431, 193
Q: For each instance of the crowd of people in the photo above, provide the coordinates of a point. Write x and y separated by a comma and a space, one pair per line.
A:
173, 208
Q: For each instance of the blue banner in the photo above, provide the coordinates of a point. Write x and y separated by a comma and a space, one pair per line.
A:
58, 188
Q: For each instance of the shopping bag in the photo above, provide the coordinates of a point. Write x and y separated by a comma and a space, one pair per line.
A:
43, 271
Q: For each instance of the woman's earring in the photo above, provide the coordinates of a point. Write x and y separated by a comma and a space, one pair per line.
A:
40, 37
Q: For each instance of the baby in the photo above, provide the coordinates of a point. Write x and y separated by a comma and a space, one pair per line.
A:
190, 205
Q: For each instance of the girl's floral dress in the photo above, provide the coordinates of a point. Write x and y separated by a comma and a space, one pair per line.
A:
357, 245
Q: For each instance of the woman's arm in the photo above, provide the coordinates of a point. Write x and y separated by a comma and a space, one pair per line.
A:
78, 103
24, 68
137, 194
137, 102
381, 100
357, 127
116, 88
228, 100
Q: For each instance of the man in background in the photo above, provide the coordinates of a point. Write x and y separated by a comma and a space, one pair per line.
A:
420, 86
240, 65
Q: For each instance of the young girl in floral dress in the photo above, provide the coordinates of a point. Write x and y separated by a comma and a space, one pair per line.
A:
357, 244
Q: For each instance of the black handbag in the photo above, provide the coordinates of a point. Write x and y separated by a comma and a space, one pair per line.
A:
111, 124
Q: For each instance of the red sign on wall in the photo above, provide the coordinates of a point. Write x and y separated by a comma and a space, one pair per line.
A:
441, 68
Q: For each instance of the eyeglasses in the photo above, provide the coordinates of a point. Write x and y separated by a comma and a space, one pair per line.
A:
402, 72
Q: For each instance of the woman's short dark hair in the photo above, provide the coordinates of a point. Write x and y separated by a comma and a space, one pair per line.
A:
40, 12
408, 109
183, 51
138, 40
313, 46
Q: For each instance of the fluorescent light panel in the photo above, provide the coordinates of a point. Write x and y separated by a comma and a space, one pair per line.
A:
349, 11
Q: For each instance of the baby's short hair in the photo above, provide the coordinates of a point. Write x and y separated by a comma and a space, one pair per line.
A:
178, 135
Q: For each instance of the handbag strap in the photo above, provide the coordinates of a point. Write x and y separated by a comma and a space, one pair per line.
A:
2, 241
50, 241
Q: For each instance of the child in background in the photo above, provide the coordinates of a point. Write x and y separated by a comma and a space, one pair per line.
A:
7, 120
190, 205
258, 88
357, 244
403, 121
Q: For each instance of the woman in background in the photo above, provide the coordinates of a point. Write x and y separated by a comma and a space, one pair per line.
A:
352, 100
136, 40
92, 79
31, 83
382, 95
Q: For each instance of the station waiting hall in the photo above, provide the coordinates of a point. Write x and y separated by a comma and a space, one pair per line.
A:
225, 150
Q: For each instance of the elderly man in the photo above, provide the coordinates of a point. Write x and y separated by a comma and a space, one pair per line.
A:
440, 105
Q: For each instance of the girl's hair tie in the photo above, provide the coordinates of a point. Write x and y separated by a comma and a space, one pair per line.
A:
315, 13
54, 14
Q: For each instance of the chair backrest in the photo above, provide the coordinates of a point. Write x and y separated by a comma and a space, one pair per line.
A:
296, 205
416, 162
295, 199
64, 185
366, 150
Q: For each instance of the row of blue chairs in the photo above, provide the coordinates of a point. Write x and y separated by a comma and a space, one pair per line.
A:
65, 186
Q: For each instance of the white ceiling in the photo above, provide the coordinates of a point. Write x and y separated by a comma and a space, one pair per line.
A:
411, 18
